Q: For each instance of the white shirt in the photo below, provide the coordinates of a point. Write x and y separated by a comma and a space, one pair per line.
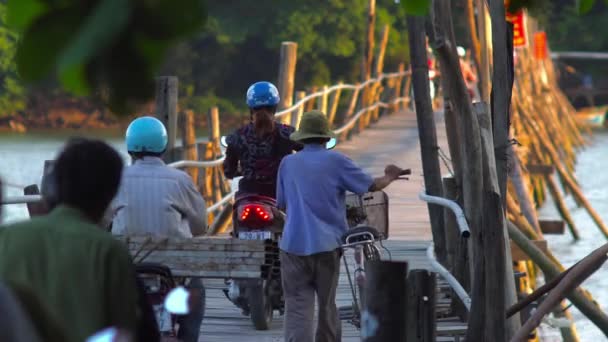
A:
159, 200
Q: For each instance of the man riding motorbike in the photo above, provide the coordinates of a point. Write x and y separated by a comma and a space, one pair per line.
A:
162, 201
255, 150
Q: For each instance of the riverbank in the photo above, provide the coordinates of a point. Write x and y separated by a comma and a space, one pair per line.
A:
76, 119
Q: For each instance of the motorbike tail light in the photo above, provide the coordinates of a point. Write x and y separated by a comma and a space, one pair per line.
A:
256, 211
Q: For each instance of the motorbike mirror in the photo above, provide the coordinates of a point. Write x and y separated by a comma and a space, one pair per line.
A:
176, 301
331, 143
223, 141
110, 335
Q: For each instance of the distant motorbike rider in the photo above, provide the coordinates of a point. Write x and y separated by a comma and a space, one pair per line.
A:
255, 150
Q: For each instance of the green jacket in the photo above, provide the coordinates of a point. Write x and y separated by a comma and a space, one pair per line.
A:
84, 276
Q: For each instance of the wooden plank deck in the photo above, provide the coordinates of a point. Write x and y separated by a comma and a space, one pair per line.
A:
394, 139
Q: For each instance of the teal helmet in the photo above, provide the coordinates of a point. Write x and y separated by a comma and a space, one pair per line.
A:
146, 134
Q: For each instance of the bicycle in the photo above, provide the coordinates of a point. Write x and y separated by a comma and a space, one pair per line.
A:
367, 217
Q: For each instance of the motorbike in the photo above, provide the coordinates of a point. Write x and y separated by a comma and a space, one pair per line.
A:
158, 283
257, 217
175, 302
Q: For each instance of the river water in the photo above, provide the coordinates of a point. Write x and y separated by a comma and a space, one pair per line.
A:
22, 158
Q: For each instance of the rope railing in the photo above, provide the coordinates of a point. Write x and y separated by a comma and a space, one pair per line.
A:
217, 162
336, 87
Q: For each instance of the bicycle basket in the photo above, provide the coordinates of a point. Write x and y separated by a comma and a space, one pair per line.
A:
369, 209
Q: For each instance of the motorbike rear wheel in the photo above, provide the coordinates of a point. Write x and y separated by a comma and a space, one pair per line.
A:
260, 306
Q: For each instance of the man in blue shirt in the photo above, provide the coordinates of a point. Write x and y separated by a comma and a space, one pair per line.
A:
311, 186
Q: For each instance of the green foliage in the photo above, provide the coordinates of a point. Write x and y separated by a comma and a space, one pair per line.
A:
96, 44
12, 93
202, 104
242, 38
416, 7
584, 6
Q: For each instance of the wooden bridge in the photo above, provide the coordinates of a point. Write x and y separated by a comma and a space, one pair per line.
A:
393, 139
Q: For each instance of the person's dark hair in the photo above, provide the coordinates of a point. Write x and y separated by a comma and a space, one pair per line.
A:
318, 141
87, 175
139, 155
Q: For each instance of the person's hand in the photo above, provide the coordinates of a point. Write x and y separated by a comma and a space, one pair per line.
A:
392, 171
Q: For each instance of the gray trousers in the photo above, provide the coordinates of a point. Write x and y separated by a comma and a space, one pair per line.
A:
303, 277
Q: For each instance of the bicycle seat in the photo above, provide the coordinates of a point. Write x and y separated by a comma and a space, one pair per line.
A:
360, 231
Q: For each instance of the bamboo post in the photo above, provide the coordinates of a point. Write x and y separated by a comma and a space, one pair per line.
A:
523, 194
450, 190
166, 109
214, 140
385, 301
497, 271
456, 248
426, 131
368, 53
351, 110
189, 143
502, 85
476, 45
560, 204
470, 149
484, 74
578, 297
310, 105
335, 100
295, 119
287, 72
378, 70
575, 277
420, 316
405, 92
324, 99
397, 89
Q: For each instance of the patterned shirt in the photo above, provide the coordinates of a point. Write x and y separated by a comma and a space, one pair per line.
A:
259, 157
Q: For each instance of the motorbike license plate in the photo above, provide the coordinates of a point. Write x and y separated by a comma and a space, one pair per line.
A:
255, 235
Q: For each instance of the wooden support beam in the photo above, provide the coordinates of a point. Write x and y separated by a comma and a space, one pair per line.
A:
519, 255
426, 130
368, 53
166, 109
553, 227
287, 72
421, 292
385, 301
498, 269
189, 143
295, 119
540, 169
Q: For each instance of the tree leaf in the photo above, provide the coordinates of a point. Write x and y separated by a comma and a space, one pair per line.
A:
584, 6
42, 43
22, 12
74, 80
108, 19
416, 7
164, 20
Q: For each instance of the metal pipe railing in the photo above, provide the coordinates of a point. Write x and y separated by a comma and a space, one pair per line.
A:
452, 281
460, 217
463, 226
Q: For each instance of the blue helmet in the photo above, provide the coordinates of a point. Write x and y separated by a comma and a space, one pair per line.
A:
146, 134
262, 94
